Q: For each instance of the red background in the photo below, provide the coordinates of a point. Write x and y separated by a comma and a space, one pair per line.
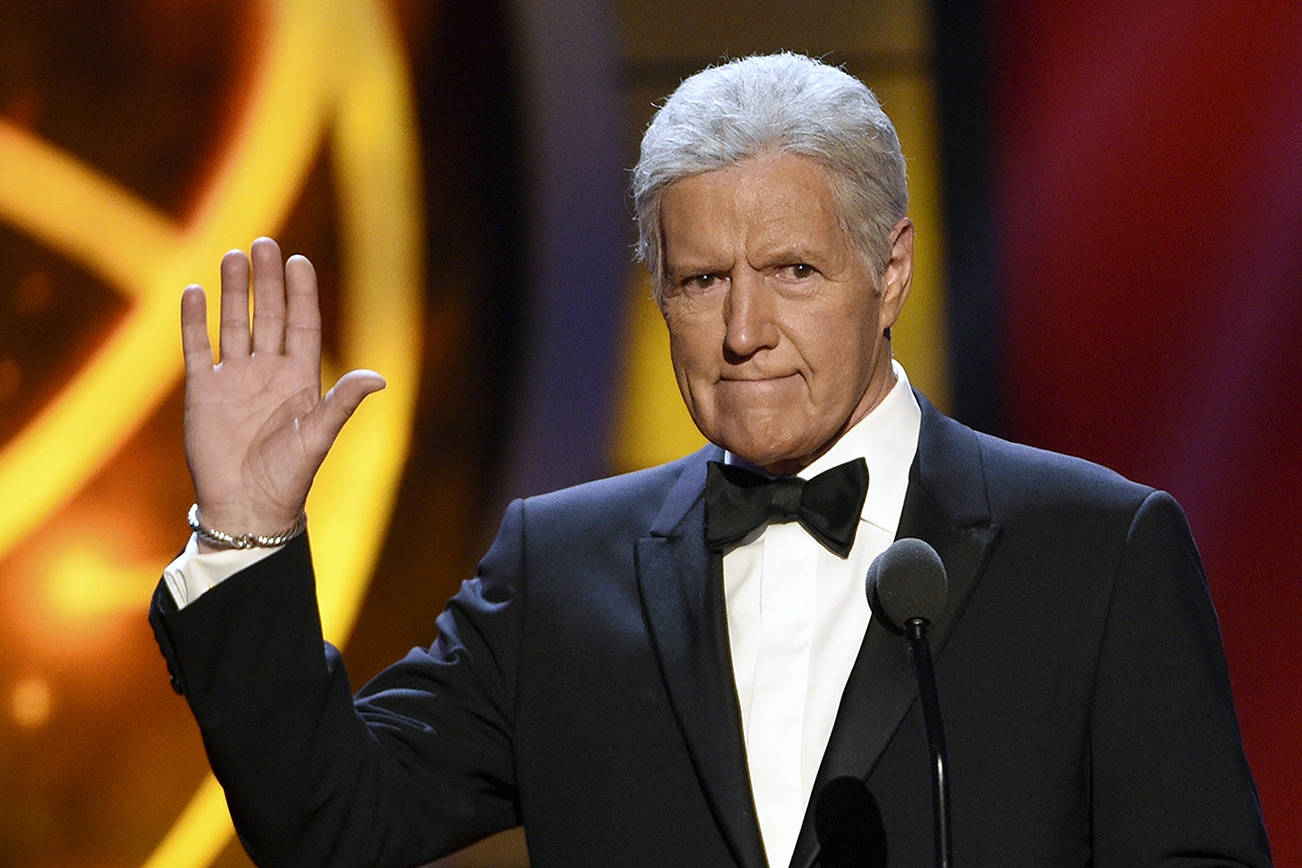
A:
1148, 201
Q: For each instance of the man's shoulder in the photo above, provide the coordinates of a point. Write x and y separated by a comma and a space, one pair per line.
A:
1022, 458
1021, 474
1018, 476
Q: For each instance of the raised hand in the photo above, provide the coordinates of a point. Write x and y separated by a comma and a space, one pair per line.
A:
256, 425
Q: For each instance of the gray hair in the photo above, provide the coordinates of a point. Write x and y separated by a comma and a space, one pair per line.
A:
783, 103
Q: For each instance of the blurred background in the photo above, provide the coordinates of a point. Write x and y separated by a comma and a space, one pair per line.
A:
1109, 208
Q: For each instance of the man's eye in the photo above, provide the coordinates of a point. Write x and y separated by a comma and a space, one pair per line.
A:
701, 281
800, 271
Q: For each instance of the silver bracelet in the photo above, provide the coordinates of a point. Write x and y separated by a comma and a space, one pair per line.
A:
245, 540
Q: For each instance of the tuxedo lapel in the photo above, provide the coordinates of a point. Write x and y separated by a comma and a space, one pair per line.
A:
944, 505
682, 598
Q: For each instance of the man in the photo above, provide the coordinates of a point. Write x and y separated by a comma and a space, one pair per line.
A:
639, 677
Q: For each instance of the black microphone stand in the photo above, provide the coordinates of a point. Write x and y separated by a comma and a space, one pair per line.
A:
915, 630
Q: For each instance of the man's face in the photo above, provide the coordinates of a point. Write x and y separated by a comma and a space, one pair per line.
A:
775, 324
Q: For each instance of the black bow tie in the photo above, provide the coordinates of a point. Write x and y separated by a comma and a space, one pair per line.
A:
737, 502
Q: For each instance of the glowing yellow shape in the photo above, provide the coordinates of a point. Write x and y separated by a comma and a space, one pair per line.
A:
375, 153
329, 66
918, 339
199, 835
654, 426
147, 257
93, 221
361, 63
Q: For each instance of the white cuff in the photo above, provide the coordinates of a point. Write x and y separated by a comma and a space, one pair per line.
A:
194, 572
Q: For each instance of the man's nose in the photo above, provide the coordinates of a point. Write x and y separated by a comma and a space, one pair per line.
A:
749, 316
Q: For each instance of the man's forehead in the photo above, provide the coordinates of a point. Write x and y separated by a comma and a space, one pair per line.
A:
780, 206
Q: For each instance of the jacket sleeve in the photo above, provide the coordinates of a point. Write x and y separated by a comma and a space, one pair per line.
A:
419, 763
1170, 783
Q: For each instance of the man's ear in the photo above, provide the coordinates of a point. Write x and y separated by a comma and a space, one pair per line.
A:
898, 275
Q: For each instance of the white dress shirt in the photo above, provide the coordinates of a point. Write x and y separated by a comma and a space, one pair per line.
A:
797, 615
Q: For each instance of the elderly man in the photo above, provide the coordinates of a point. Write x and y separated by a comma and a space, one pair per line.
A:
641, 676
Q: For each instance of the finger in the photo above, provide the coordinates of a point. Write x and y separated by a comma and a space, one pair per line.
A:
195, 346
235, 305
268, 297
323, 424
303, 316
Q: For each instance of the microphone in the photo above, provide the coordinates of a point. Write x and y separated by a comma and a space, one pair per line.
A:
907, 582
906, 588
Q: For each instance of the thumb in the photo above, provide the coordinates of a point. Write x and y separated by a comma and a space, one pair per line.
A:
327, 419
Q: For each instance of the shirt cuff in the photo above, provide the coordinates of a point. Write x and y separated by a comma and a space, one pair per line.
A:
194, 572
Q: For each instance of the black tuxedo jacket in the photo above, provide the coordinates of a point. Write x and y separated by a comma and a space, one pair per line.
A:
580, 684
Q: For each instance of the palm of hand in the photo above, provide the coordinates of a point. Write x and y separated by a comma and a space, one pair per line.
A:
256, 425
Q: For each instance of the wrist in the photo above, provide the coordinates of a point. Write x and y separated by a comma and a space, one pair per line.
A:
212, 537
237, 516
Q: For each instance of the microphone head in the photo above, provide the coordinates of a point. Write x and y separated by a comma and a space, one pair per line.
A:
907, 581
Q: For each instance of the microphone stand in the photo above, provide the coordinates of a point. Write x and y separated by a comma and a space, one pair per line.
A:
915, 630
